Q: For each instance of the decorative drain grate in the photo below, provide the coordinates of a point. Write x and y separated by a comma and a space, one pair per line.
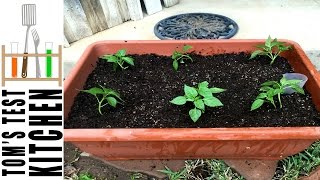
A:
196, 26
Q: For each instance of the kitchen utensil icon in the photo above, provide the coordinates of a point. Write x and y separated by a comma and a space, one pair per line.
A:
36, 41
28, 19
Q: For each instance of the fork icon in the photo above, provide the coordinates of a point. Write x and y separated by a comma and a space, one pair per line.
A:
36, 40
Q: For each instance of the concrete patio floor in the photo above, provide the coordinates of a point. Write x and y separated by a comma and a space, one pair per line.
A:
294, 20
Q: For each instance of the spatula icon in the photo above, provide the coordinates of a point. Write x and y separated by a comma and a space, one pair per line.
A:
28, 19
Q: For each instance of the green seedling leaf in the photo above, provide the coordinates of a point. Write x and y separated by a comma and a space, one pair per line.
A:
175, 65
273, 88
292, 81
179, 57
269, 83
199, 104
217, 90
195, 114
255, 53
118, 60
262, 46
257, 104
201, 97
112, 101
261, 96
205, 92
121, 53
284, 48
271, 48
190, 92
203, 84
278, 91
297, 88
108, 92
175, 55
180, 100
212, 102
186, 48
94, 91
283, 80
111, 58
108, 95
128, 60
265, 88
268, 41
275, 42
270, 98
271, 93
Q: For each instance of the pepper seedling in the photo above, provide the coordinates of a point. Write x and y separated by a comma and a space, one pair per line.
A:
271, 48
104, 96
180, 57
118, 59
270, 89
201, 96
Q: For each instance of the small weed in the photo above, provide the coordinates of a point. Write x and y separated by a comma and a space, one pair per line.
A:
201, 96
81, 176
106, 96
135, 176
119, 59
172, 175
201, 169
180, 57
221, 171
273, 88
271, 48
86, 176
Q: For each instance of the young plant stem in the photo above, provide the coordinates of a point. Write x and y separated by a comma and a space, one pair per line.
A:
270, 55
273, 59
184, 56
121, 65
279, 98
100, 105
272, 102
99, 108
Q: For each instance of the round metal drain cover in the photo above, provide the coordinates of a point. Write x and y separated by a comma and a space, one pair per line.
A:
196, 26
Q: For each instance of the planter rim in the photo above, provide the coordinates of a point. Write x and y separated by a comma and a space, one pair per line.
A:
193, 134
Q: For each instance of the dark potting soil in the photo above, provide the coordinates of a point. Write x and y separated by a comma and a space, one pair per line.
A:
148, 87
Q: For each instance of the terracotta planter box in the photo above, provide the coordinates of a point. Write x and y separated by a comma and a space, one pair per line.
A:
189, 143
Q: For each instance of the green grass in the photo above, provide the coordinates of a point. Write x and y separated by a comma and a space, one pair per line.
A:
174, 175
293, 167
135, 176
301, 164
203, 170
81, 176
86, 176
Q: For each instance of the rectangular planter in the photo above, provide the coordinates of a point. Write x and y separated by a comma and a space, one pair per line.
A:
189, 143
